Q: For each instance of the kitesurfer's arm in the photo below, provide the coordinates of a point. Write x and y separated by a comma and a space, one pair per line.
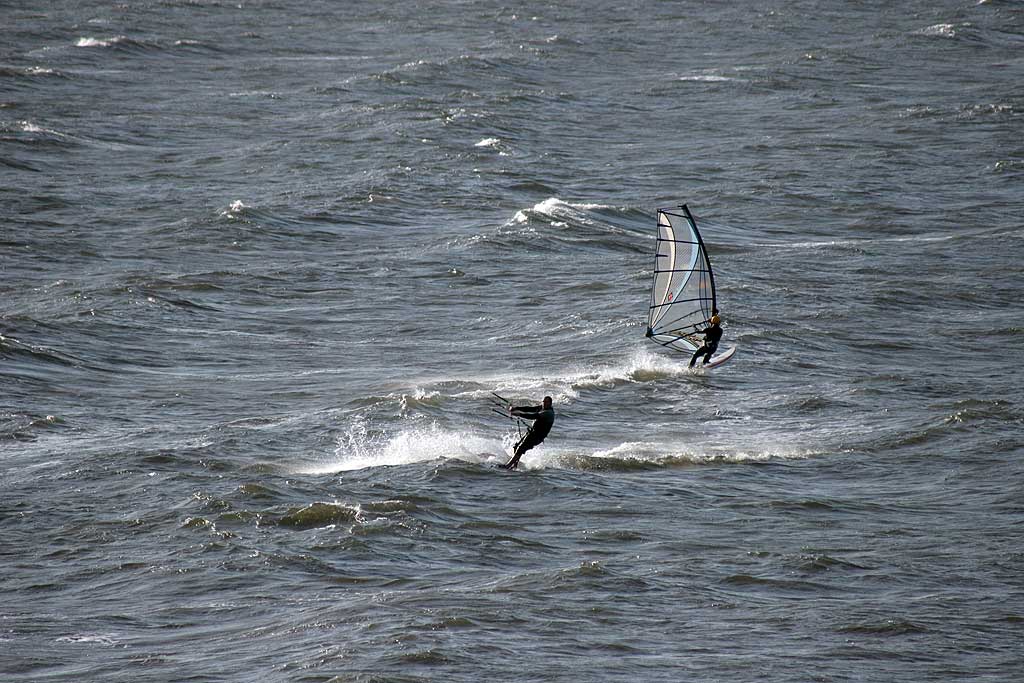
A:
529, 412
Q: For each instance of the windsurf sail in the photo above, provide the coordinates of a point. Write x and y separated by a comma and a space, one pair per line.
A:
683, 296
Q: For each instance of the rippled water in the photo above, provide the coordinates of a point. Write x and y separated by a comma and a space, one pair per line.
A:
264, 263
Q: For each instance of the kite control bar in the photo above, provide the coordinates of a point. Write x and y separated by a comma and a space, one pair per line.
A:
507, 405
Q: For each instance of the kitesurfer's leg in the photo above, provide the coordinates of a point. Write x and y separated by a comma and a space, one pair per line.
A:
526, 444
514, 460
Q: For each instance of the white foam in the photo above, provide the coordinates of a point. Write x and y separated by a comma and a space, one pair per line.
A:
553, 207
365, 445
943, 30
106, 640
637, 450
641, 365
706, 78
856, 242
236, 207
358, 449
87, 41
658, 454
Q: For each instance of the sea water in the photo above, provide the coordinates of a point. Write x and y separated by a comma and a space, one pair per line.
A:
263, 264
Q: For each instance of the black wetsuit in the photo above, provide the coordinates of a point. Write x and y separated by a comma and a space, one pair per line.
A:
542, 418
712, 335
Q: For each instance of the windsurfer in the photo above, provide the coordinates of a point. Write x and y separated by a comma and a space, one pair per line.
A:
712, 335
543, 417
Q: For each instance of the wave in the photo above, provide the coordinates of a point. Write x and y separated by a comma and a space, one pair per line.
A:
460, 71
939, 30
104, 639
406, 422
36, 135
555, 225
854, 245
98, 42
361, 447
272, 224
705, 76
31, 133
31, 75
561, 212
774, 584
121, 47
826, 563
632, 457
119, 43
318, 514
949, 421
982, 411
122, 43
24, 427
640, 366
19, 351
962, 32
888, 627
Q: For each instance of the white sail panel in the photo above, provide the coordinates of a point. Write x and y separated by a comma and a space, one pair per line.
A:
683, 293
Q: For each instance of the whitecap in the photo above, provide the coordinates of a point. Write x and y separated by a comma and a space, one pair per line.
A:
87, 41
554, 208
706, 78
941, 30
106, 640
236, 207
358, 448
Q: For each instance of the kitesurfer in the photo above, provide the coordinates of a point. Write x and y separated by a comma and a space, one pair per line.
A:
543, 417
712, 335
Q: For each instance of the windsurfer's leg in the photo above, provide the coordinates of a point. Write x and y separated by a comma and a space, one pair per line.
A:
710, 350
697, 354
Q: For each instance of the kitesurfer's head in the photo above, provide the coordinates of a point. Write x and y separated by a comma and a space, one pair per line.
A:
715, 319
547, 401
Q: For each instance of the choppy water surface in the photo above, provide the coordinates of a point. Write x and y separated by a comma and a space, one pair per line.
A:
264, 263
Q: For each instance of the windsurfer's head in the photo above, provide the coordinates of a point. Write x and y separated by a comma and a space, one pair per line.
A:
715, 319
547, 401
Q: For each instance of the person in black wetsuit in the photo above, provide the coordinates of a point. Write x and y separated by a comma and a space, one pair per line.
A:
712, 335
543, 417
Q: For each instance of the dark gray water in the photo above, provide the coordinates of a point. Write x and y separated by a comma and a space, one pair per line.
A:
263, 263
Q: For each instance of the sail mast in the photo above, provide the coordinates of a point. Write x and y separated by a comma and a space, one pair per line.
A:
707, 258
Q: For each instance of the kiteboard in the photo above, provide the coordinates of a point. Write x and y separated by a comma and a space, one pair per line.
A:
683, 297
